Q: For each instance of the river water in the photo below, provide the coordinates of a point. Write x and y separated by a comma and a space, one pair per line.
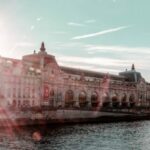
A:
106, 136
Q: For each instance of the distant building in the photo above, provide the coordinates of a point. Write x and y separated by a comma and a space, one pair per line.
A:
37, 80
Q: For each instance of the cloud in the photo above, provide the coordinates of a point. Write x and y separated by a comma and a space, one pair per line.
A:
100, 48
105, 58
24, 44
89, 67
38, 19
21, 44
138, 55
102, 64
99, 33
95, 63
32, 27
74, 45
18, 49
75, 24
90, 21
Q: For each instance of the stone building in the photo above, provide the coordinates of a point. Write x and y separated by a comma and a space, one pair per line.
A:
37, 80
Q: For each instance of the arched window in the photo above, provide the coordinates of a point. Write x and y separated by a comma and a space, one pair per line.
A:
94, 99
82, 99
69, 97
115, 101
114, 98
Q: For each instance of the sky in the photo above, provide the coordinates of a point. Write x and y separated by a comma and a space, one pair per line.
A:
100, 35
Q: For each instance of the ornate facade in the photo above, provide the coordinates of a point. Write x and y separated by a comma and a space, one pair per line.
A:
37, 80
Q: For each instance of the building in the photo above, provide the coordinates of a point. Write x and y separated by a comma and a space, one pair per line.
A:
37, 80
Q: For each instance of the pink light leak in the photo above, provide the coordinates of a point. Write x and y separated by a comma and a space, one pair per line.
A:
36, 136
105, 85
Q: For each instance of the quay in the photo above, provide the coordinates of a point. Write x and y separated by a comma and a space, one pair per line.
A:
37, 90
51, 117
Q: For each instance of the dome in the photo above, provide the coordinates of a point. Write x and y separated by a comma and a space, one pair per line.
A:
131, 75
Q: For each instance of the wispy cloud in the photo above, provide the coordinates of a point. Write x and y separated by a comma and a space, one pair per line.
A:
75, 24
95, 63
99, 33
102, 64
94, 60
90, 21
100, 48
109, 58
68, 45
130, 54
89, 67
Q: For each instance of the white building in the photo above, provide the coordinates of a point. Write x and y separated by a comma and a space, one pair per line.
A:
38, 80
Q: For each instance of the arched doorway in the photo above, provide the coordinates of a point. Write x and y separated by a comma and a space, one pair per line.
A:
115, 101
83, 99
51, 97
69, 98
94, 99
124, 102
132, 100
106, 100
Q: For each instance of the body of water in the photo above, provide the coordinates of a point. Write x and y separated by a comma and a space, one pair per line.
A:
111, 136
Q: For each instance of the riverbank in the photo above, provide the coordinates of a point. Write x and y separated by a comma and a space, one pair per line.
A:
66, 117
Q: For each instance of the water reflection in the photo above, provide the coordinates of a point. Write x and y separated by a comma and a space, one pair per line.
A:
113, 136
